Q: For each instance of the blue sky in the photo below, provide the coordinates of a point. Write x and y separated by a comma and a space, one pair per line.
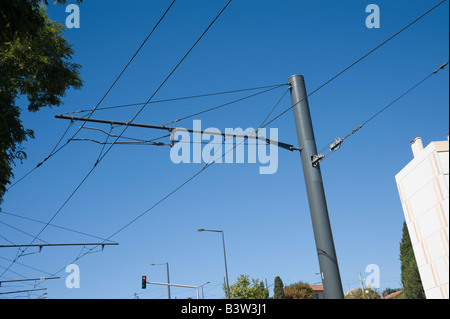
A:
265, 218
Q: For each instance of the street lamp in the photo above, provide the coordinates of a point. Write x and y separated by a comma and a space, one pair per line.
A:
224, 255
203, 295
168, 279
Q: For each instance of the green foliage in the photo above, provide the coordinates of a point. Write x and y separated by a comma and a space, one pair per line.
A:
278, 289
20, 17
412, 284
34, 63
246, 288
299, 290
368, 293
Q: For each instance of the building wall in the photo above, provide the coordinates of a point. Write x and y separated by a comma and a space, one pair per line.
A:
424, 192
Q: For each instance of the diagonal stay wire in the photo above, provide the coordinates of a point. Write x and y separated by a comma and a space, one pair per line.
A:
357, 61
275, 107
224, 105
254, 132
179, 98
407, 92
338, 142
107, 151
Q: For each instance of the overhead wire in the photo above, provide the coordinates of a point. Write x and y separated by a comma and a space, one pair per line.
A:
152, 141
170, 75
54, 151
90, 114
23, 232
224, 105
179, 98
269, 122
123, 131
336, 144
209, 164
52, 225
358, 61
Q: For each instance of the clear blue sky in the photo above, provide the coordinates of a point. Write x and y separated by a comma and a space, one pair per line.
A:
265, 218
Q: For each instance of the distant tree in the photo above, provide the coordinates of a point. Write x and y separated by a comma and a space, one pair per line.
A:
246, 288
299, 290
412, 284
368, 293
278, 289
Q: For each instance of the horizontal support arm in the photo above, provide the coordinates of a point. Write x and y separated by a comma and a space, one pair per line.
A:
56, 245
174, 129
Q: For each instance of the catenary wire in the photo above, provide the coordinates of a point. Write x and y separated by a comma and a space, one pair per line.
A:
209, 164
52, 225
179, 98
338, 141
278, 116
357, 61
54, 151
291, 107
123, 131
170, 74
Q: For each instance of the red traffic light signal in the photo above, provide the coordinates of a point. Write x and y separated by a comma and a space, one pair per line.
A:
144, 282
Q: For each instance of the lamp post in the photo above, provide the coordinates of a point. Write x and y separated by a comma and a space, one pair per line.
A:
168, 278
203, 294
224, 255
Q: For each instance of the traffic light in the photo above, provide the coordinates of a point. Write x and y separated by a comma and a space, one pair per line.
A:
144, 282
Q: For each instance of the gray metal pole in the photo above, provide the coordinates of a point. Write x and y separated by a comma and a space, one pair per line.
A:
226, 282
329, 268
168, 279
226, 268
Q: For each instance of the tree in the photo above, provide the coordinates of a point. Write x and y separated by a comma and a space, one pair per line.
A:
278, 289
368, 293
299, 290
246, 288
34, 63
412, 284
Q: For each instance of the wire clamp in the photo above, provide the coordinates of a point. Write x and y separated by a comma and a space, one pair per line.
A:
316, 159
336, 144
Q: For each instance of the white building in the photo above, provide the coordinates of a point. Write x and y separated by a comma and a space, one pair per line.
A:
423, 186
